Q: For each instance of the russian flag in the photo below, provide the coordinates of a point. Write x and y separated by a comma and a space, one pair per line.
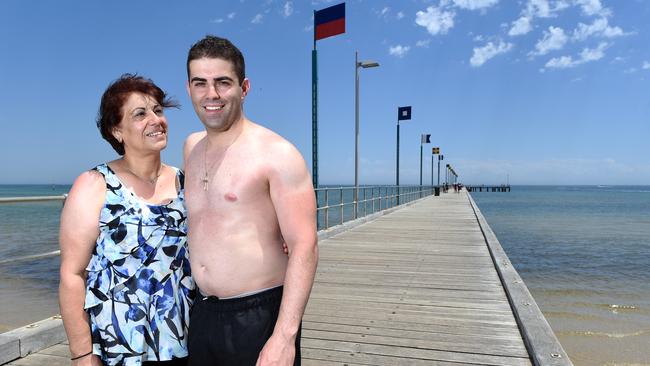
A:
329, 21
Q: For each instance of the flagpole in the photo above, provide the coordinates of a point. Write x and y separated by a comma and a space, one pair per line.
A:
432, 156
314, 111
421, 144
397, 168
439, 158
403, 113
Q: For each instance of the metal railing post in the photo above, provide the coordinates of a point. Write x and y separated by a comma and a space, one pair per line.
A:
327, 209
341, 203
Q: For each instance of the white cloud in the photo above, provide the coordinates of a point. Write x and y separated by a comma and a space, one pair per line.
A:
287, 9
490, 50
544, 8
600, 27
400, 15
423, 43
475, 4
593, 54
561, 5
384, 11
257, 19
435, 20
554, 39
536, 9
646, 65
587, 55
399, 50
521, 26
539, 8
562, 62
230, 16
593, 7
611, 32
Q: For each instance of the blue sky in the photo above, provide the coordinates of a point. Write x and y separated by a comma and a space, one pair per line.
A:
534, 91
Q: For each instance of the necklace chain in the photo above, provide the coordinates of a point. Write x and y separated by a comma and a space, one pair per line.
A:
150, 181
206, 171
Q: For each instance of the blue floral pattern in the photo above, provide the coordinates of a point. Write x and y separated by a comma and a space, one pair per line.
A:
139, 290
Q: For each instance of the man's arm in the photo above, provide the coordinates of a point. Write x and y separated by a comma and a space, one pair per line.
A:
295, 205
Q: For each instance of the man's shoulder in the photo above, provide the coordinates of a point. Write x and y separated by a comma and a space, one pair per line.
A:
195, 137
191, 141
269, 139
278, 154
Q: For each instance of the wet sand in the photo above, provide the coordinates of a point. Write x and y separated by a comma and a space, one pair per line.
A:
23, 304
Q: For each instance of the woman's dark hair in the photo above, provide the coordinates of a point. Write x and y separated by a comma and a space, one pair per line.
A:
110, 108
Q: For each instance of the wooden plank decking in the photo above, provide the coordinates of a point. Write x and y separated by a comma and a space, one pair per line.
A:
416, 286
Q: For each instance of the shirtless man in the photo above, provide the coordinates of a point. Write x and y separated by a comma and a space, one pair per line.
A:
247, 190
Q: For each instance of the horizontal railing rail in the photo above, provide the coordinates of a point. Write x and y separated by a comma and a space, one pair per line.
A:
340, 204
33, 199
334, 205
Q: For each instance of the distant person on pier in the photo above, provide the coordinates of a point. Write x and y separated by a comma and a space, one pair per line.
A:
126, 290
247, 189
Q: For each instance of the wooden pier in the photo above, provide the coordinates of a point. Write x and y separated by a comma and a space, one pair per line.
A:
425, 284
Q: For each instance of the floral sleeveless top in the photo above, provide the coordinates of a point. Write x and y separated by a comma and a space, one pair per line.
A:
139, 289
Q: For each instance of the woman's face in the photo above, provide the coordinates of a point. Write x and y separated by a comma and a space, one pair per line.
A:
143, 127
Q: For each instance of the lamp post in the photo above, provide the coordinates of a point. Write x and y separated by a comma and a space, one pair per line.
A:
357, 65
447, 176
425, 139
440, 157
433, 155
435, 151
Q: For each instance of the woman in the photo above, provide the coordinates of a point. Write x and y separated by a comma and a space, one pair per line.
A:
126, 289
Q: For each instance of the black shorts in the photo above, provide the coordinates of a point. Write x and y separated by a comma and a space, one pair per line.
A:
233, 331
173, 362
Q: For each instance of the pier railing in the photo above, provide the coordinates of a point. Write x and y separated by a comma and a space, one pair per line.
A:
32, 199
336, 205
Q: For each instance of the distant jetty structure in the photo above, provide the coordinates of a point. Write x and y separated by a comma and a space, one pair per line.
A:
488, 188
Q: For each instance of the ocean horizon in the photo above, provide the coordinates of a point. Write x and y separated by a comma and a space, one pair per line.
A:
582, 250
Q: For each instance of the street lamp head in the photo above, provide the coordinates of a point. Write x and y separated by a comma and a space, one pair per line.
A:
367, 64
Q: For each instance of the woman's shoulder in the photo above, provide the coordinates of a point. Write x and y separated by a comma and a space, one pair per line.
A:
180, 177
92, 178
179, 172
88, 186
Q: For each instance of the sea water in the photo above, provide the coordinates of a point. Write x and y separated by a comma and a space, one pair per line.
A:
28, 289
584, 253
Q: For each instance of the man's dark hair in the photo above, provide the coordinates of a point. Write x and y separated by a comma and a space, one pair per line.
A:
110, 108
216, 47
